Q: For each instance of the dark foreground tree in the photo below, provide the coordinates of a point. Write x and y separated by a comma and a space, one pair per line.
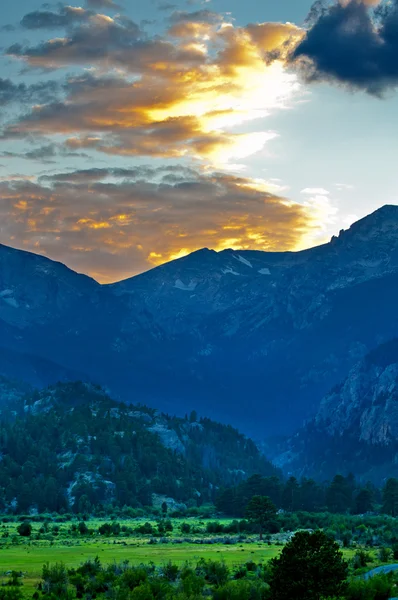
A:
310, 567
260, 510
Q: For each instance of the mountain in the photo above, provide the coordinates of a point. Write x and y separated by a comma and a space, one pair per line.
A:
71, 444
356, 426
246, 337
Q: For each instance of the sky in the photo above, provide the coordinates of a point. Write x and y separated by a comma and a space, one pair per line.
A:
133, 133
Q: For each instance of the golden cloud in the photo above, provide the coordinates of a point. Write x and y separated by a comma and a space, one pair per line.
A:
201, 92
115, 227
189, 95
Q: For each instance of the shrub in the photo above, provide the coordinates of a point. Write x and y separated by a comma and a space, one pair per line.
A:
142, 592
385, 554
378, 587
215, 572
185, 528
83, 529
170, 571
243, 590
25, 529
361, 559
134, 577
10, 594
145, 529
55, 580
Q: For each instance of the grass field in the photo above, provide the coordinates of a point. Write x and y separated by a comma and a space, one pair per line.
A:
28, 555
30, 559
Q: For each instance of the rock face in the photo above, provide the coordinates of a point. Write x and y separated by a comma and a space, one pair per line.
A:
252, 338
356, 426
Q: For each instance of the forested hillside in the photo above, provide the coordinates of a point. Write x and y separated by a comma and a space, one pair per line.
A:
72, 447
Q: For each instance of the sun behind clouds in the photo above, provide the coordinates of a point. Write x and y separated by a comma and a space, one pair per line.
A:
198, 94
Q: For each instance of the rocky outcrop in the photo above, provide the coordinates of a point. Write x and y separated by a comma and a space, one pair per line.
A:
356, 426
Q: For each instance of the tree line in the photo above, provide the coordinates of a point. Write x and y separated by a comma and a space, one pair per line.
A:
341, 495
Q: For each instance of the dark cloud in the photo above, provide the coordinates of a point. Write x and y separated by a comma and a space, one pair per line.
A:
103, 4
45, 154
65, 17
110, 42
166, 6
41, 92
353, 45
42, 154
171, 173
199, 16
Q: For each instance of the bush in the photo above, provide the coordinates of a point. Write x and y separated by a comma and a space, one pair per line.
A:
134, 577
185, 528
384, 554
214, 527
55, 580
215, 572
25, 529
243, 590
378, 587
191, 584
83, 529
10, 594
142, 592
109, 529
170, 571
361, 559
145, 529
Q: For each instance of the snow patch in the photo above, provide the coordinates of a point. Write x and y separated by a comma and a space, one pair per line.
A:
182, 286
12, 302
5, 293
243, 260
229, 270
265, 272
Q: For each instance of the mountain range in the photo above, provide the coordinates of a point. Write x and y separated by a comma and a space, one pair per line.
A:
246, 337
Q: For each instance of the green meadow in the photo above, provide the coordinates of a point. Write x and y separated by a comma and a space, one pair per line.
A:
28, 555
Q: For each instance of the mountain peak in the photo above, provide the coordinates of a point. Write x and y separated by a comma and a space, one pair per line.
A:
383, 221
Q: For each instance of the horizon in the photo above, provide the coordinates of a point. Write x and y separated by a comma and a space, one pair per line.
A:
195, 251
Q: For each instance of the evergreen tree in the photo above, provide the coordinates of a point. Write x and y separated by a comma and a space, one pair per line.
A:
260, 511
310, 567
390, 497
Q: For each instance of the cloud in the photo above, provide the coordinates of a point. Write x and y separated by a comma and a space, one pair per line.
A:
351, 44
315, 191
43, 154
199, 94
97, 39
42, 92
176, 98
199, 16
114, 223
103, 4
166, 6
65, 17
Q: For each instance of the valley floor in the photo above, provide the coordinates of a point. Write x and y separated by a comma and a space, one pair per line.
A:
28, 555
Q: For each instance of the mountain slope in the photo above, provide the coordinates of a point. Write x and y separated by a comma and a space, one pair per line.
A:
246, 337
72, 441
356, 426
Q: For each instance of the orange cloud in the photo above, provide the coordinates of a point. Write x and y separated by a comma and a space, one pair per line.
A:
200, 93
189, 94
114, 227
